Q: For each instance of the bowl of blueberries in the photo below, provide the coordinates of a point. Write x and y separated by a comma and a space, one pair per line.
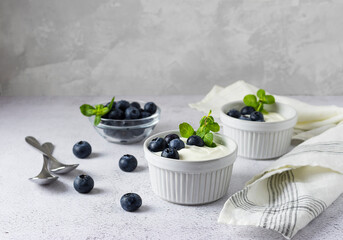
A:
128, 121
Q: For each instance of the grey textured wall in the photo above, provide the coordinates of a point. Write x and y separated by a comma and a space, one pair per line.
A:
88, 47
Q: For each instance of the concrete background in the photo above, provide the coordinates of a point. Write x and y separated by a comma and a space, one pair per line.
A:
158, 47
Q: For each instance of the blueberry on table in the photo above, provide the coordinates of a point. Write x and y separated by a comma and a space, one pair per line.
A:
157, 145
256, 116
130, 202
170, 137
247, 110
145, 114
132, 113
127, 163
170, 153
234, 113
82, 149
83, 183
195, 140
116, 114
177, 143
150, 107
136, 105
122, 105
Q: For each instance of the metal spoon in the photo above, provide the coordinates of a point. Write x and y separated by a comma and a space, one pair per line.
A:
54, 164
45, 177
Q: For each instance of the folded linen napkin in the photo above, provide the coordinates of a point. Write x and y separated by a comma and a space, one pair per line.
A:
294, 189
312, 120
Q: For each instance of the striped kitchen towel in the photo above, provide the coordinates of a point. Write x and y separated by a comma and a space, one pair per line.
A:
294, 189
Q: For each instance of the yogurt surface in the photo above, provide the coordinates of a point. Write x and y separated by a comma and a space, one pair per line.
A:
273, 117
195, 153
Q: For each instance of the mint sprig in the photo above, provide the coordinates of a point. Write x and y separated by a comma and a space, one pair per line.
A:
98, 110
207, 126
251, 100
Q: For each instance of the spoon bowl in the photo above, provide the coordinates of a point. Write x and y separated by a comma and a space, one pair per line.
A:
54, 165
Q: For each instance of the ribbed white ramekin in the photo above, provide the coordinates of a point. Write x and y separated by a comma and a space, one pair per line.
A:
260, 140
190, 182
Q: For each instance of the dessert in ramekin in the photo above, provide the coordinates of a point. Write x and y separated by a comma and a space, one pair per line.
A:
191, 181
260, 140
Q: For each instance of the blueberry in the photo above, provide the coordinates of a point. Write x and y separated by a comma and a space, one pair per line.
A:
234, 113
82, 149
83, 183
116, 114
132, 113
178, 144
130, 202
145, 114
128, 163
170, 153
150, 107
170, 137
256, 116
136, 105
243, 117
122, 105
157, 145
195, 140
247, 110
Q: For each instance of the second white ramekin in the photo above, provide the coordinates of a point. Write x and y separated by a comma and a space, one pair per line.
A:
260, 140
190, 182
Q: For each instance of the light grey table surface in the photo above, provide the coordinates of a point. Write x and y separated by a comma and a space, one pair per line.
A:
57, 211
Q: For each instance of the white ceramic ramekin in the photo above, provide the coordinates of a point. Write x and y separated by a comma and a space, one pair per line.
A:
190, 182
260, 140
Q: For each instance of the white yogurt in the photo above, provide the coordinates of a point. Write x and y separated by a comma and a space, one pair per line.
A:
273, 117
195, 153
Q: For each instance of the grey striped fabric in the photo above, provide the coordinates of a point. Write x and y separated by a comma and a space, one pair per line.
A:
289, 194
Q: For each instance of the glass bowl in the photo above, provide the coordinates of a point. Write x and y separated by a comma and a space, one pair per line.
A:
127, 131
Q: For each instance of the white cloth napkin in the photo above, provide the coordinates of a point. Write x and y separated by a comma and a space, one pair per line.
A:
312, 120
294, 189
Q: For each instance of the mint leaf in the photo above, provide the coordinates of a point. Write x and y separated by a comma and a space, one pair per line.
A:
250, 100
87, 110
207, 124
215, 127
210, 120
111, 104
202, 121
269, 99
202, 131
186, 130
103, 111
208, 139
97, 120
98, 110
261, 93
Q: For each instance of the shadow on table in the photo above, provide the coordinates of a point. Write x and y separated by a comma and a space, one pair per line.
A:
56, 187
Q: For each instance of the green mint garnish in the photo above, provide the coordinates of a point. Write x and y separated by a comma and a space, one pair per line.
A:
98, 110
207, 126
251, 100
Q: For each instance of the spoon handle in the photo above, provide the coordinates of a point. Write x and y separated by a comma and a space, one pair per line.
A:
49, 148
34, 143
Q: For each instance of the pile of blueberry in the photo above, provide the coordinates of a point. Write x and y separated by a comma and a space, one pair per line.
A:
170, 144
246, 113
125, 110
